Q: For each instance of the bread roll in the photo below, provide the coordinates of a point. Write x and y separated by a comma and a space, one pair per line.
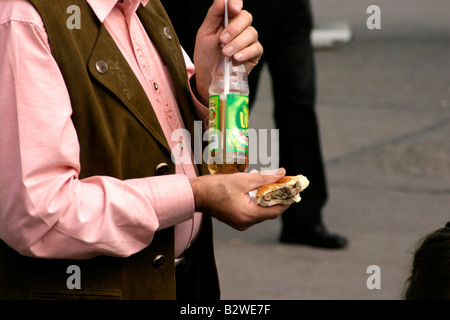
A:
285, 191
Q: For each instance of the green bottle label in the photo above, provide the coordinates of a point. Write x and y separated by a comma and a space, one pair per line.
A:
214, 116
237, 123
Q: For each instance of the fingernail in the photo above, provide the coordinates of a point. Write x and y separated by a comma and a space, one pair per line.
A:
228, 50
275, 172
225, 37
239, 56
236, 6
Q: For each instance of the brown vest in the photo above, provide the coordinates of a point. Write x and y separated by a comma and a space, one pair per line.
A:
119, 136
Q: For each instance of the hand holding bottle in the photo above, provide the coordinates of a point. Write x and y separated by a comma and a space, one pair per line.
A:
239, 41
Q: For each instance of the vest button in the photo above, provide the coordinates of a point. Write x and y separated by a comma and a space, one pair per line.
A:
101, 67
159, 262
162, 168
168, 33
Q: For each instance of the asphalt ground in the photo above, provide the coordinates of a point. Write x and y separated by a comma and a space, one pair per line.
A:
384, 115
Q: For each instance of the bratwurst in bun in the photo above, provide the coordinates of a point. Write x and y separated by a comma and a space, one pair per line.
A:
285, 191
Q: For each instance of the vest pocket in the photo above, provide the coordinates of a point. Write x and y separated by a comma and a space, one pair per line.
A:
75, 294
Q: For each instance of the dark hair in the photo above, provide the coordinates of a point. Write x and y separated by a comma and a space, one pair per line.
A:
430, 274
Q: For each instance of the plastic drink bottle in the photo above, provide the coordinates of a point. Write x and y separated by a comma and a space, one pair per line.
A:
228, 118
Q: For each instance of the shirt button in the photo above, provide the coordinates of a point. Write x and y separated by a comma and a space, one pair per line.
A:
101, 67
162, 168
159, 262
168, 33
155, 86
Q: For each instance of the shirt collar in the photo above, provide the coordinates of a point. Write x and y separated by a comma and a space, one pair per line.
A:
102, 8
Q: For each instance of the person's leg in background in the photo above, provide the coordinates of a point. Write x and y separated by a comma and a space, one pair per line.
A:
284, 28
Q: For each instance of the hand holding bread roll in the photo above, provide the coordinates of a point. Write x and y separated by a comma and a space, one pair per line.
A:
227, 197
285, 191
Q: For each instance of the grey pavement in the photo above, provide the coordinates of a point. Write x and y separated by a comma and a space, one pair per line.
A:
384, 114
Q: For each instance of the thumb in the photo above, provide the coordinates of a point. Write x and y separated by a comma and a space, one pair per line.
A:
265, 177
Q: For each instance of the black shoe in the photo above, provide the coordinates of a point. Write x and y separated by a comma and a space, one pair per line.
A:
316, 236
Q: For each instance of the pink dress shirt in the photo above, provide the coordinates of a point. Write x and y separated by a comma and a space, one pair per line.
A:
45, 210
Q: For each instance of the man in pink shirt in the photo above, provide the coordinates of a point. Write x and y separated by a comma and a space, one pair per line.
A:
49, 207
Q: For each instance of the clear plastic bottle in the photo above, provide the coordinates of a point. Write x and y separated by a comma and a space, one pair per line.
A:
228, 118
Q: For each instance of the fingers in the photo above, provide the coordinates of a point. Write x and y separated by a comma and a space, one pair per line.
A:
255, 214
236, 25
239, 33
226, 197
234, 7
240, 40
214, 17
244, 47
258, 179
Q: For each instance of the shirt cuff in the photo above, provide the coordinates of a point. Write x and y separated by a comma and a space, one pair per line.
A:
172, 198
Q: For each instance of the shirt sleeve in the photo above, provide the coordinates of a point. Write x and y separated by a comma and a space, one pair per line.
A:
45, 210
200, 109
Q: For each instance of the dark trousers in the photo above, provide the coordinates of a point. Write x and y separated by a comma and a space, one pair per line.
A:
284, 28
